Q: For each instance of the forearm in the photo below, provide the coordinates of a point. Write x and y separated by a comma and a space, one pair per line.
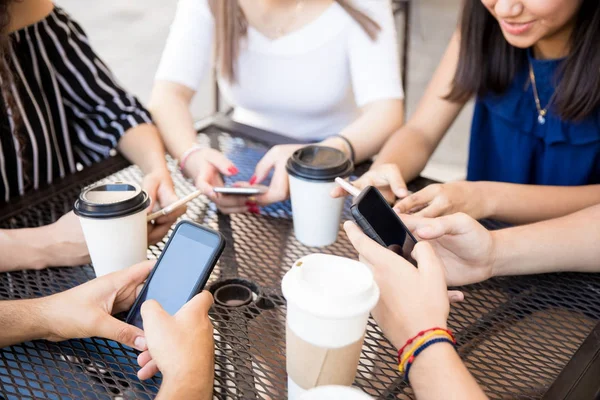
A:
21, 321
438, 373
24, 249
409, 149
567, 243
521, 204
142, 146
174, 120
370, 131
181, 388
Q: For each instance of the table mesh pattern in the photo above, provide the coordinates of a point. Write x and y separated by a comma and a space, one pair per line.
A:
514, 334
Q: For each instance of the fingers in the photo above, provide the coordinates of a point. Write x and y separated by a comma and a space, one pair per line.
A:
119, 331
433, 210
417, 200
154, 316
220, 162
279, 188
156, 232
455, 296
428, 261
144, 358
148, 371
199, 305
371, 251
338, 192
395, 180
132, 276
428, 229
265, 165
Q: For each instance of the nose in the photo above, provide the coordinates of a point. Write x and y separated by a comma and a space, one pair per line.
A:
508, 8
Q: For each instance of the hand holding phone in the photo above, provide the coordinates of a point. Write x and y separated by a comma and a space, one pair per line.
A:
182, 269
379, 221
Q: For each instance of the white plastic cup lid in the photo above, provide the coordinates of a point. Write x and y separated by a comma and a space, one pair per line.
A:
335, 393
330, 286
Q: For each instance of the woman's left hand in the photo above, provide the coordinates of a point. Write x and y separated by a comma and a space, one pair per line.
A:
160, 188
444, 199
276, 159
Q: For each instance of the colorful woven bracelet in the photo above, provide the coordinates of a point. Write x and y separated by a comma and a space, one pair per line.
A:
420, 350
419, 343
412, 339
186, 154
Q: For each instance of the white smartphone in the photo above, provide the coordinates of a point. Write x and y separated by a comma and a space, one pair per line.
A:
242, 191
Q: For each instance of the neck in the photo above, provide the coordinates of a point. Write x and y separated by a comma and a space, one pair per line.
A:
555, 46
28, 12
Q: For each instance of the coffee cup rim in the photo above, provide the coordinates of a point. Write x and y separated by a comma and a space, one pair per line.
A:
300, 170
341, 307
86, 209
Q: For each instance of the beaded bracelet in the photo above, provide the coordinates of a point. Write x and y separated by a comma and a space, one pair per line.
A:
186, 154
420, 350
419, 343
409, 341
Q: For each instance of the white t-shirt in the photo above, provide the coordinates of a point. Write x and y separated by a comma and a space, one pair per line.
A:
308, 84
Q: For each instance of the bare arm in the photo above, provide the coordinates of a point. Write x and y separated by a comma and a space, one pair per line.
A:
411, 146
521, 204
21, 321
170, 108
379, 119
564, 244
142, 146
438, 373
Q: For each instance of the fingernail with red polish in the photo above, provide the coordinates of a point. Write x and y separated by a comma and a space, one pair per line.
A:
251, 203
254, 210
233, 170
253, 180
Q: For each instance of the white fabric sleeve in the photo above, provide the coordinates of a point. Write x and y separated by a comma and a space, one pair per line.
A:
188, 50
375, 65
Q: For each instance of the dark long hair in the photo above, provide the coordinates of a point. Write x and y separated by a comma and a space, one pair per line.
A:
6, 75
231, 26
488, 63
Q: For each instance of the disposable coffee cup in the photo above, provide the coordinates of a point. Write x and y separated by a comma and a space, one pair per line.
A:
329, 299
312, 171
335, 393
113, 219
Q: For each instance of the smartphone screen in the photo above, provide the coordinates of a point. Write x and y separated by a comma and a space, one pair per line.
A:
373, 207
182, 269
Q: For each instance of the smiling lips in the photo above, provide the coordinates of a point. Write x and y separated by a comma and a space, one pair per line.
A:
516, 28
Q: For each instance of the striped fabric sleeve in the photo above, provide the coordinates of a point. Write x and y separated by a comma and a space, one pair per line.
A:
99, 111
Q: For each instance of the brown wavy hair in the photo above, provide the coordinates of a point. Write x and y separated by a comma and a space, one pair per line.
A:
231, 26
488, 63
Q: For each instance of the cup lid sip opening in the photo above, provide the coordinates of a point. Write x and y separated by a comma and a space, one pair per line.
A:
111, 200
319, 163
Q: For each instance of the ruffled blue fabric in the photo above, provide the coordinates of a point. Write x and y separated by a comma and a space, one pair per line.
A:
509, 145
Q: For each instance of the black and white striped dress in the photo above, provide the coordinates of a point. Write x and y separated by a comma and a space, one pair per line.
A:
72, 111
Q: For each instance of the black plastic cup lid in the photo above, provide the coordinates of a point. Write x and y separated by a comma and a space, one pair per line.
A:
111, 200
319, 163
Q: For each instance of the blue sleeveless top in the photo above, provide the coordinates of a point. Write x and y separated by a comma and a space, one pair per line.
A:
508, 144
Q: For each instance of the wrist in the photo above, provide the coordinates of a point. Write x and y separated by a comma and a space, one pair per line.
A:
184, 386
41, 320
337, 143
500, 257
487, 204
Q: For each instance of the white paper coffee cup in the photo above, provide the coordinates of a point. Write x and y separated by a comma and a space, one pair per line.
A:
335, 393
113, 220
312, 171
329, 299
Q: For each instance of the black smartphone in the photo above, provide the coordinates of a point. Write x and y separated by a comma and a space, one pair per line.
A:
380, 222
182, 269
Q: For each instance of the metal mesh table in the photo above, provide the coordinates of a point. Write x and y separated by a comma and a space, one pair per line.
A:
514, 334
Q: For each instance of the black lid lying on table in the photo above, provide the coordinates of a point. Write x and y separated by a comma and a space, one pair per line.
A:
319, 163
111, 200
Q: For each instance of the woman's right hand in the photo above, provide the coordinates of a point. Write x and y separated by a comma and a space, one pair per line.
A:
206, 166
412, 299
385, 177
